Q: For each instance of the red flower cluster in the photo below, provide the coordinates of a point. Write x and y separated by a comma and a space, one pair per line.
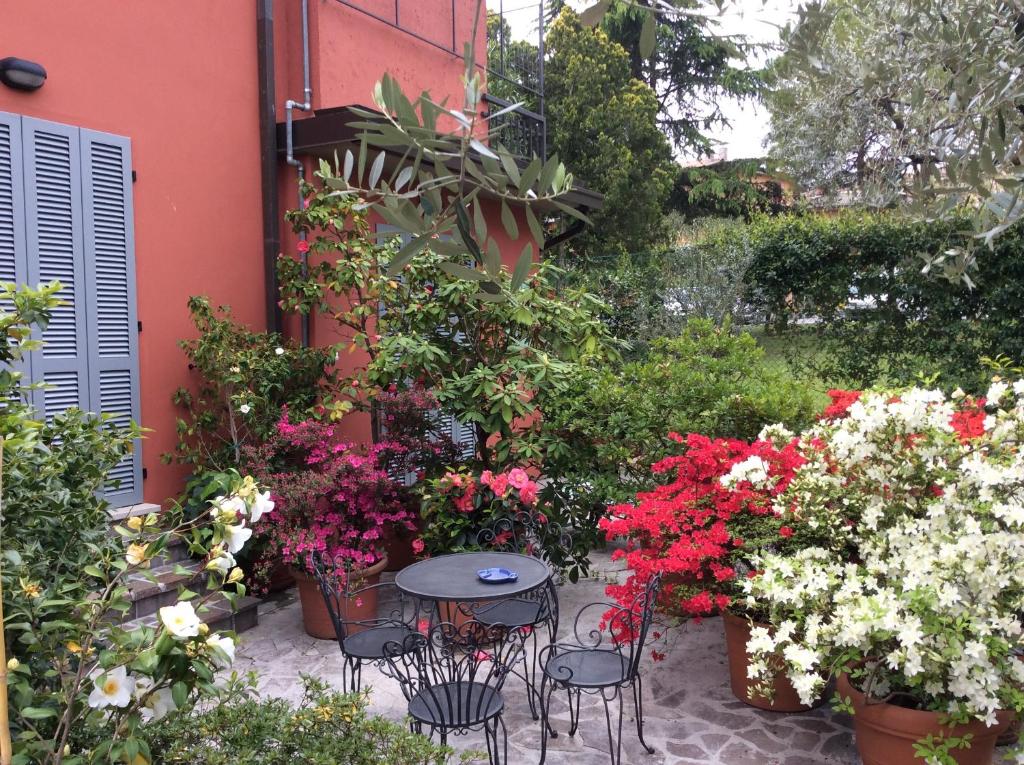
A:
842, 400
694, 529
969, 420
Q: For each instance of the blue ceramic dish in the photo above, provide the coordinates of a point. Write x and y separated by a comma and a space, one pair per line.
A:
497, 575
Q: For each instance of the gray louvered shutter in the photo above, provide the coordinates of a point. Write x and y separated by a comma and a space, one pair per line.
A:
53, 223
13, 260
113, 341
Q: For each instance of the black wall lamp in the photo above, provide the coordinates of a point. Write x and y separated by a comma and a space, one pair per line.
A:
21, 74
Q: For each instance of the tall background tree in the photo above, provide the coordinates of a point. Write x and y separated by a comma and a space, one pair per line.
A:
602, 122
916, 102
693, 69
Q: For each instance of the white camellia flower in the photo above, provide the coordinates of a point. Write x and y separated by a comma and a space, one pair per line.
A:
223, 649
235, 536
262, 504
111, 688
158, 705
245, 409
279, 351
180, 619
222, 562
228, 509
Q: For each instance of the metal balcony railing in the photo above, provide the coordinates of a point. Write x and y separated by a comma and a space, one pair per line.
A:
514, 67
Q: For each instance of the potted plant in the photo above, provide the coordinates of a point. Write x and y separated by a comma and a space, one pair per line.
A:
700, 530
334, 498
922, 624
457, 507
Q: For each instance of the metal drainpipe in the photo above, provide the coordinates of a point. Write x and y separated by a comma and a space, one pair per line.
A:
289, 107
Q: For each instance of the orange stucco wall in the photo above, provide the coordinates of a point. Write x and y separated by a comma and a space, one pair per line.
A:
180, 79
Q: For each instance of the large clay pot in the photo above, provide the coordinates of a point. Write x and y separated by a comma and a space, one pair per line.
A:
886, 733
398, 546
737, 633
316, 619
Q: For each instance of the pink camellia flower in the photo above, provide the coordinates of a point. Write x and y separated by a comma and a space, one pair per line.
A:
517, 478
499, 485
542, 519
417, 546
528, 494
302, 246
486, 477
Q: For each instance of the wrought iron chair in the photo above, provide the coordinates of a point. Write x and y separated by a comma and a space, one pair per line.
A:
536, 610
362, 641
452, 676
605, 662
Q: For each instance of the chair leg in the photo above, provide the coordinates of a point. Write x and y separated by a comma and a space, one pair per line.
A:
530, 675
546, 728
638, 705
614, 742
574, 712
490, 738
499, 723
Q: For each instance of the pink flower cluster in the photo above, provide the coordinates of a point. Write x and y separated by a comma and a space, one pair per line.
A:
330, 496
516, 478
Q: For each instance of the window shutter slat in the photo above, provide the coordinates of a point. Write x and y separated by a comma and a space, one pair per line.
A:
13, 258
113, 345
53, 235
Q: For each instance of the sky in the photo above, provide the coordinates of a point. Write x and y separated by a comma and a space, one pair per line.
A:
757, 20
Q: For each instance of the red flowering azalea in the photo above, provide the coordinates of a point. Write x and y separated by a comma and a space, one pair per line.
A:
696, 529
842, 400
969, 419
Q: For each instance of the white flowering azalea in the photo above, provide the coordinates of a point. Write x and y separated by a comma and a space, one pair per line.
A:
111, 688
235, 536
222, 648
924, 573
753, 470
180, 619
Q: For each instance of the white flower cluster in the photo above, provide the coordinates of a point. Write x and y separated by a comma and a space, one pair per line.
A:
925, 572
753, 470
115, 687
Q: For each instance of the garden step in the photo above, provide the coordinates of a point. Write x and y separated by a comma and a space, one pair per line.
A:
220, 615
148, 596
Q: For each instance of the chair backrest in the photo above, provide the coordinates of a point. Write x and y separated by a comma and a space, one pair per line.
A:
339, 589
526, 531
442, 663
630, 624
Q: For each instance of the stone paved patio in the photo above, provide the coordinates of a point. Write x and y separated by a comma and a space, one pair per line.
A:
691, 716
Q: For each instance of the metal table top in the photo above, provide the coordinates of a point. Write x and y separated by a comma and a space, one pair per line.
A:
453, 577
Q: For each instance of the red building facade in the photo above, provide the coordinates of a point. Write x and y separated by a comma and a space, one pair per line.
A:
136, 173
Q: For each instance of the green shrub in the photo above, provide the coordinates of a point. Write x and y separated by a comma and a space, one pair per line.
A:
877, 315
325, 727
605, 433
244, 378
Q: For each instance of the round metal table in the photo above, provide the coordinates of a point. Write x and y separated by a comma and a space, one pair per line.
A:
453, 577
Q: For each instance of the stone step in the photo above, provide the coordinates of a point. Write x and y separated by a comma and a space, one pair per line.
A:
219, 615
160, 588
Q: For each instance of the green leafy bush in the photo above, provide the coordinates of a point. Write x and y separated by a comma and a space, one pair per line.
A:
80, 686
877, 315
606, 432
491, 363
325, 727
244, 378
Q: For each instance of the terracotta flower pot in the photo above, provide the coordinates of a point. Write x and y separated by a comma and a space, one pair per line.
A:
886, 733
398, 546
316, 619
280, 578
737, 633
